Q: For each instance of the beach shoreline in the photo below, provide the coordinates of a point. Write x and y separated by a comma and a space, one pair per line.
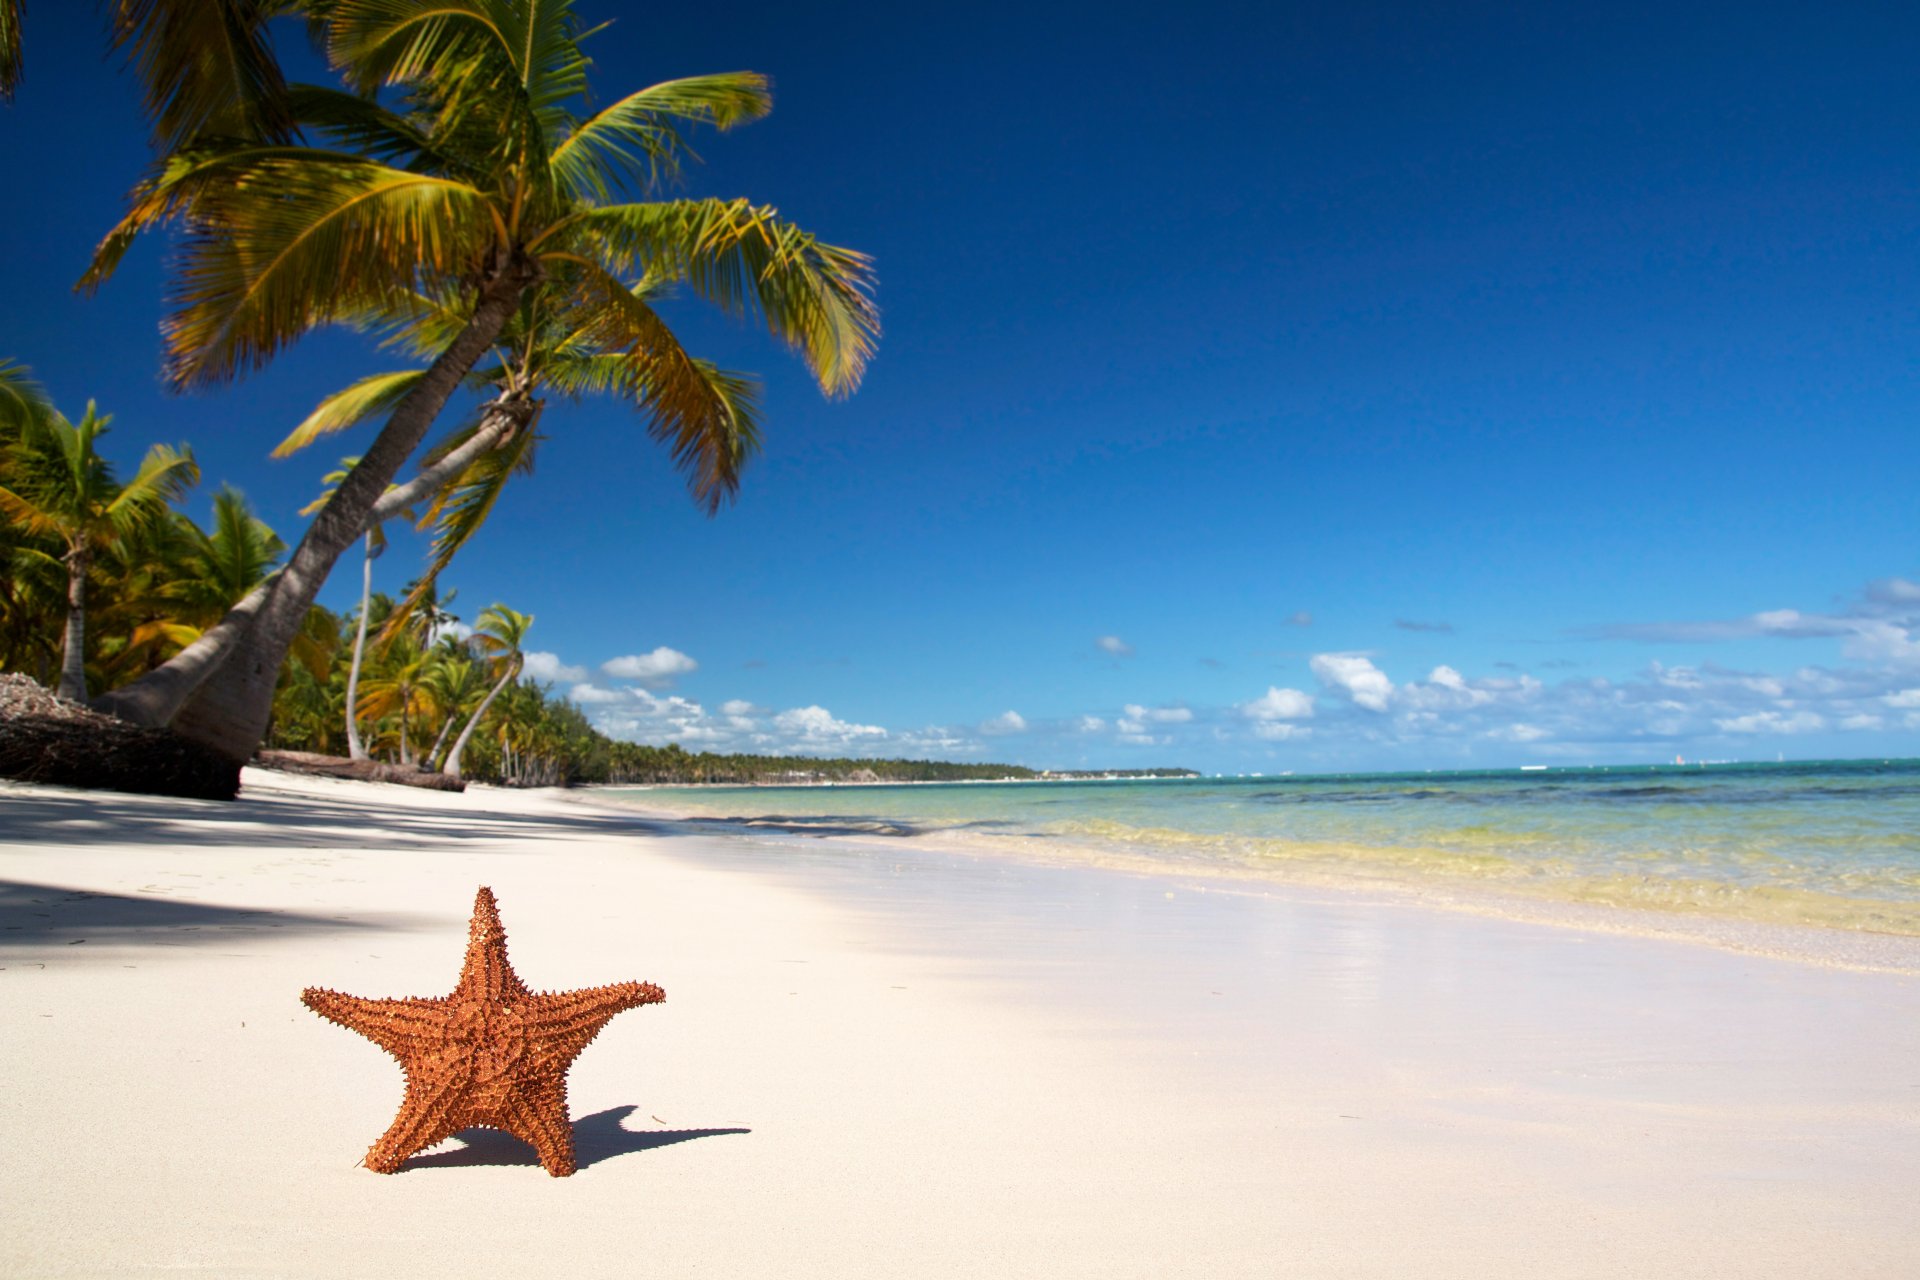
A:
1858, 949
886, 1058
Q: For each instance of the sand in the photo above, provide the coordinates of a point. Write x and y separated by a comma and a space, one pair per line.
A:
880, 1059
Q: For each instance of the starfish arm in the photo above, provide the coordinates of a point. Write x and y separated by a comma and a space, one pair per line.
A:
430, 1113
561, 1024
395, 1025
487, 972
536, 1113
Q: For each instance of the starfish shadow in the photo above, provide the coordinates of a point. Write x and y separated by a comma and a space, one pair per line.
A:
600, 1136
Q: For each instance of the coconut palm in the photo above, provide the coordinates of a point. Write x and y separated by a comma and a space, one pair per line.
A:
453, 684
376, 543
171, 586
57, 486
498, 633
394, 687
488, 188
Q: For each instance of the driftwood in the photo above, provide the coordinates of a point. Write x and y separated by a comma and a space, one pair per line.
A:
44, 738
357, 770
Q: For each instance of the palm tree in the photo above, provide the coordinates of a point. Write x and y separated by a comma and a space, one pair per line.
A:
452, 684
498, 633
540, 353
59, 487
376, 543
394, 687
486, 191
174, 585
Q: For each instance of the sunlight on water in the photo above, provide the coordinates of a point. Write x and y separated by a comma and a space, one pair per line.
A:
1831, 843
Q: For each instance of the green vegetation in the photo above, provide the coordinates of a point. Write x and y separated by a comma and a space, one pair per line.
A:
462, 191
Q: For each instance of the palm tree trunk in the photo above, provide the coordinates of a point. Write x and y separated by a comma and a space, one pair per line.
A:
73, 660
439, 741
452, 768
355, 748
406, 747
229, 709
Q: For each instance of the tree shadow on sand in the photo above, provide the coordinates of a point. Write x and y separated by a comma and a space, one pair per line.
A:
50, 916
600, 1136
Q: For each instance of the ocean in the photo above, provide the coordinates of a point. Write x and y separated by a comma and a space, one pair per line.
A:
1833, 843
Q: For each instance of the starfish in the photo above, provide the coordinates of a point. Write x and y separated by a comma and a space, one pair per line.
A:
493, 1053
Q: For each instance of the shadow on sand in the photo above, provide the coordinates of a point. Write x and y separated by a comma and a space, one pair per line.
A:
600, 1136
51, 916
304, 822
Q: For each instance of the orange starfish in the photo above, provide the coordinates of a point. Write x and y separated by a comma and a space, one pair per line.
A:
493, 1053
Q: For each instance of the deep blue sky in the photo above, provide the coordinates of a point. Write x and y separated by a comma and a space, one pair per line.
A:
1491, 381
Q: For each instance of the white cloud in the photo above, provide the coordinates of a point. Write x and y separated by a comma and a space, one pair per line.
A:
1354, 675
816, 726
1904, 699
587, 693
656, 670
1301, 619
1862, 721
1159, 715
1090, 724
548, 668
1005, 722
1773, 722
1279, 704
1115, 645
1279, 730
740, 707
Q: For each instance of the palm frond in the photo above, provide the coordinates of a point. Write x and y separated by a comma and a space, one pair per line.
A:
296, 244
11, 12
742, 257
22, 400
206, 68
635, 139
459, 510
368, 398
364, 127
706, 418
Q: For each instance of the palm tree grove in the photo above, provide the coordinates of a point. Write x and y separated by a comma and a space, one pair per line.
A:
452, 191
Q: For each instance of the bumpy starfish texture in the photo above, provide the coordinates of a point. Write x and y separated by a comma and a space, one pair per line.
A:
493, 1054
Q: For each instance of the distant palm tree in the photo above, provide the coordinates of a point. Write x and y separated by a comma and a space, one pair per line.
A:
57, 486
394, 687
494, 187
376, 544
499, 632
453, 683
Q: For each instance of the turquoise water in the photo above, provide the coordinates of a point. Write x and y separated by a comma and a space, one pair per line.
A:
1823, 842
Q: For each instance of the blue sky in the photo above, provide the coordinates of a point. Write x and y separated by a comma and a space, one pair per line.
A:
1263, 387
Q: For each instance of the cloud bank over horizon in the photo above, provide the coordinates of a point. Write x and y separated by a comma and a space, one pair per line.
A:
1369, 710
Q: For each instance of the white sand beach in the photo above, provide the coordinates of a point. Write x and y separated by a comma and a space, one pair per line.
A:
885, 1059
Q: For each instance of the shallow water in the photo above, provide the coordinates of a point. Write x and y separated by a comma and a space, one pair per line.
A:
1834, 843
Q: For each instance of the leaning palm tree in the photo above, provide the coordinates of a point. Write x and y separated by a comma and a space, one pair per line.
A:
540, 352
489, 188
499, 634
57, 486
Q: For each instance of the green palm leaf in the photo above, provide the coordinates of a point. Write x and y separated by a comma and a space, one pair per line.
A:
744, 257
635, 138
368, 398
